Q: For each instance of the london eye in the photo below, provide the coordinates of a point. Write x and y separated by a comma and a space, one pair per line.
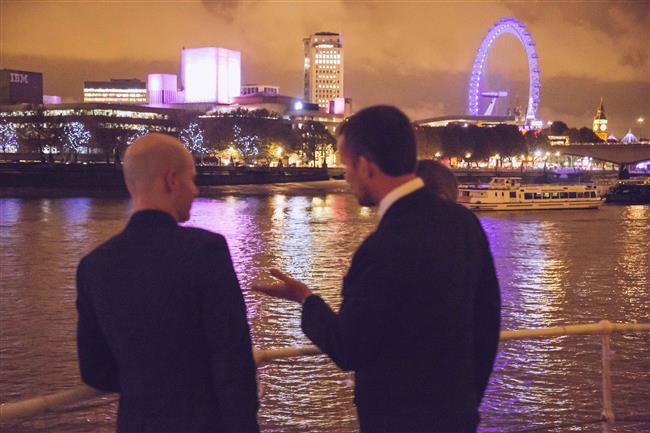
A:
517, 28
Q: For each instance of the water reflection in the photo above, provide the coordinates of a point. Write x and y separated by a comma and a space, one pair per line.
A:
554, 267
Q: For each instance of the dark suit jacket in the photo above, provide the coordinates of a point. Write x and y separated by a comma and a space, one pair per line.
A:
162, 321
419, 319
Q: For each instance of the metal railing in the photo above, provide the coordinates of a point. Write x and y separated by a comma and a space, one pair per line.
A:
11, 412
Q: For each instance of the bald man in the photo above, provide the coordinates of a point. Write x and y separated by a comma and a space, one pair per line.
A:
162, 318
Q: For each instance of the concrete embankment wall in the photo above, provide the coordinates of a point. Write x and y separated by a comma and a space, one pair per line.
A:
107, 177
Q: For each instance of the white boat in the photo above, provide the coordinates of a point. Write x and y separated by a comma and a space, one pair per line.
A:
508, 193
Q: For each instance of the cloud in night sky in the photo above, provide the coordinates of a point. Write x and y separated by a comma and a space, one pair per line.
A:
417, 55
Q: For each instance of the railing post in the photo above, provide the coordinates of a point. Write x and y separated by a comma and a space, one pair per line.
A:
608, 409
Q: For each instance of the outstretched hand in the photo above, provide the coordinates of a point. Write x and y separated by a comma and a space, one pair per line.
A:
288, 288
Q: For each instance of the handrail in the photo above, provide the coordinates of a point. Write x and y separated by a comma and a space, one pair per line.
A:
13, 411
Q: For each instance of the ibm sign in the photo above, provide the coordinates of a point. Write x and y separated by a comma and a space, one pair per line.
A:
18, 78
21, 87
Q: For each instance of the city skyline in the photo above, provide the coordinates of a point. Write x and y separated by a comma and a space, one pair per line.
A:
415, 55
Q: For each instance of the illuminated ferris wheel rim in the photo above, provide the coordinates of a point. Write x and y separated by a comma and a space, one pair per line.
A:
517, 28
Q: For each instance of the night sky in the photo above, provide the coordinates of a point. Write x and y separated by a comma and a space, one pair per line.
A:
417, 55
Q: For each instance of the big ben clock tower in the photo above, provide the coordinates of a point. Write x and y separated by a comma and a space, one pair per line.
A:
600, 122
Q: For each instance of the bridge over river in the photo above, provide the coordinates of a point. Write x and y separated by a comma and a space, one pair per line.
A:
617, 153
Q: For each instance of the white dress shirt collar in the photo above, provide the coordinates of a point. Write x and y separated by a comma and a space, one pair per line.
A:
403, 190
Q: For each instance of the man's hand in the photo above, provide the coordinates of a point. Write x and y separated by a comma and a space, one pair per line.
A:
288, 288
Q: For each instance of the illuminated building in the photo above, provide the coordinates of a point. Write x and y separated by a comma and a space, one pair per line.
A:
51, 99
21, 87
163, 89
600, 122
629, 138
279, 104
210, 74
116, 91
340, 106
252, 89
323, 64
558, 140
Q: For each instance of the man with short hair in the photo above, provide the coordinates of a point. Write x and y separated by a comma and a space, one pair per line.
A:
162, 319
419, 319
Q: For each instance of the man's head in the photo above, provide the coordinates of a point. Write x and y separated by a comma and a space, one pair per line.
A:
159, 174
438, 178
377, 146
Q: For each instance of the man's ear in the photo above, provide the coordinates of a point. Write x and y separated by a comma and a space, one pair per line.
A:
368, 168
169, 180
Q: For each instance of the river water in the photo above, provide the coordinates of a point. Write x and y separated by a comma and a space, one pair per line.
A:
555, 267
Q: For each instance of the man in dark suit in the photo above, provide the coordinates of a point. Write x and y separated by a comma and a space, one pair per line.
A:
419, 319
162, 319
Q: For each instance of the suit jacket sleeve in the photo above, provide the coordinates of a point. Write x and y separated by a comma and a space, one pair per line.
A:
229, 342
353, 336
97, 364
487, 317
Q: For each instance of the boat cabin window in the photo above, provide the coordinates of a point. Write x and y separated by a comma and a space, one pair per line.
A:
581, 195
537, 195
547, 195
572, 195
513, 194
528, 196
555, 195
592, 194
564, 195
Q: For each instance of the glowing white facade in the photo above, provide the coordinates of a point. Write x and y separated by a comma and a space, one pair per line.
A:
323, 68
210, 74
163, 89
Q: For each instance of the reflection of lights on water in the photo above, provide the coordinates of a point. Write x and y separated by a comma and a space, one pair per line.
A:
635, 257
10, 212
322, 209
533, 272
76, 210
278, 205
365, 211
279, 200
45, 209
529, 386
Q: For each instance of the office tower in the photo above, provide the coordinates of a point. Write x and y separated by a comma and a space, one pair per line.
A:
18, 87
210, 74
323, 68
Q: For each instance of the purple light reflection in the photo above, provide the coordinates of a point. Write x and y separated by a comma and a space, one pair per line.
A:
234, 218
